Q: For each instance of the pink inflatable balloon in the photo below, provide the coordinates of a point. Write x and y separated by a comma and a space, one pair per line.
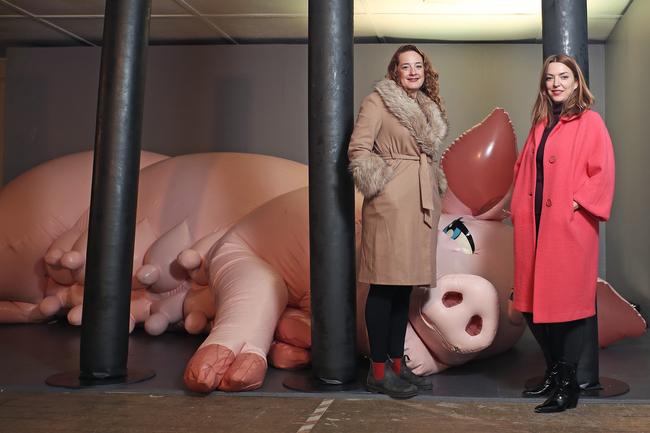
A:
479, 164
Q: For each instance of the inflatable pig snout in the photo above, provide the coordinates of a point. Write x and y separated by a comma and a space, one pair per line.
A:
458, 318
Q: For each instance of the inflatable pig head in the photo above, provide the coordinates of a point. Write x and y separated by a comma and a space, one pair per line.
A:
469, 313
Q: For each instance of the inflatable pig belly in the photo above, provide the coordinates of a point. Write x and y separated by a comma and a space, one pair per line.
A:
211, 191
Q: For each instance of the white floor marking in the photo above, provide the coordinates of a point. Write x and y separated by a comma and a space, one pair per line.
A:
312, 420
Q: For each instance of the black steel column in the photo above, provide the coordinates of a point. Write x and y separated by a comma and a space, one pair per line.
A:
564, 31
331, 192
111, 232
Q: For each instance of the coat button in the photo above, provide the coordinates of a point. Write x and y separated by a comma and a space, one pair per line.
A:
549, 203
530, 194
551, 159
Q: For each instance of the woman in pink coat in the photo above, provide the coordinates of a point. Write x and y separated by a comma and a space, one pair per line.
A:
564, 186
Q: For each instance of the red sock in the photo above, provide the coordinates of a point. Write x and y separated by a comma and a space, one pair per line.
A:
378, 370
397, 365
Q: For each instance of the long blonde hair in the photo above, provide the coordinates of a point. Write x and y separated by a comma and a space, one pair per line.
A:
579, 101
430, 87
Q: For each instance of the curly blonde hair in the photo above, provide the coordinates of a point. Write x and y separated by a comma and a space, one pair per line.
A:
430, 87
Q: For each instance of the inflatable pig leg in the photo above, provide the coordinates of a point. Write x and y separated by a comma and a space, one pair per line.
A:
249, 298
255, 273
290, 349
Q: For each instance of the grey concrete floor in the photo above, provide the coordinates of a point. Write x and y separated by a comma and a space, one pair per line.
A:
112, 412
479, 396
31, 353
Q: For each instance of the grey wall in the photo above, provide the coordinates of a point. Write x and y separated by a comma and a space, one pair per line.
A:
198, 99
245, 98
628, 237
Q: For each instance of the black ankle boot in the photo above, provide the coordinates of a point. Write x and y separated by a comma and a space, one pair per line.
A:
566, 393
422, 383
546, 386
391, 385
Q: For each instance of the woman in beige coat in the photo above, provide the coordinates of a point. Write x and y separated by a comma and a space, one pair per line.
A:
395, 161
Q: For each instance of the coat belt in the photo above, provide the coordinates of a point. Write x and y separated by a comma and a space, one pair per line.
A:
426, 186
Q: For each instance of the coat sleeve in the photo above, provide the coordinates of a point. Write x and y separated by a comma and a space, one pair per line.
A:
595, 192
369, 171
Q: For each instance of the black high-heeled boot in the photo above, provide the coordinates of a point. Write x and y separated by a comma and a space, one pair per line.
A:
546, 386
566, 393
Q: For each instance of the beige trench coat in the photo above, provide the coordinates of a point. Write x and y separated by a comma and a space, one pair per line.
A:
399, 182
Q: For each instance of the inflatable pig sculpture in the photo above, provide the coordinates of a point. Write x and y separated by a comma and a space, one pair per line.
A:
222, 246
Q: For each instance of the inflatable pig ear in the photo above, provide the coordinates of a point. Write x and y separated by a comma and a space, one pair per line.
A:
479, 168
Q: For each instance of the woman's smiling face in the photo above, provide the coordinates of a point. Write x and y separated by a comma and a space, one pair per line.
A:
560, 82
411, 71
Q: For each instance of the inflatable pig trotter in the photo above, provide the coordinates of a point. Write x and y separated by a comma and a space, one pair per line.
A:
222, 247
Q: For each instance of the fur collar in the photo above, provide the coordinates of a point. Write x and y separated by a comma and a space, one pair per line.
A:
421, 116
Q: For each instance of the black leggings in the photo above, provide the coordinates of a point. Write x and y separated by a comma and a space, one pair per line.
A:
387, 311
560, 342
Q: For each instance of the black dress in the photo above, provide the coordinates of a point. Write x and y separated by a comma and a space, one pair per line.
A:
539, 158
